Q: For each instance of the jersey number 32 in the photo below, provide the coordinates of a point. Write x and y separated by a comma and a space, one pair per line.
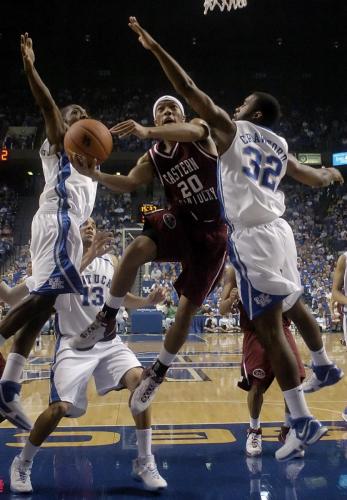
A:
264, 170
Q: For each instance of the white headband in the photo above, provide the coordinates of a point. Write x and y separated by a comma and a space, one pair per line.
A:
167, 98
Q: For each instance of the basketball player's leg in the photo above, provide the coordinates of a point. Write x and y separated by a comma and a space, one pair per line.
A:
325, 372
269, 330
70, 375
142, 250
174, 340
255, 399
17, 317
10, 384
45, 424
202, 267
144, 466
306, 429
256, 377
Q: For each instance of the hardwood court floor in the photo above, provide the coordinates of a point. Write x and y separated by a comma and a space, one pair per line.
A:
200, 420
201, 386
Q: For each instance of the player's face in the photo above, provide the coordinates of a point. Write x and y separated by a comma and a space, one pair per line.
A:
246, 110
168, 112
74, 113
88, 231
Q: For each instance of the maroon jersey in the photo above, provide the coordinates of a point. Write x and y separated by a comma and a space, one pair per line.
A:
189, 177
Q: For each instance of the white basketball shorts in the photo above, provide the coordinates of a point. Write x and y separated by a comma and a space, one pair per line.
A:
56, 253
107, 362
265, 261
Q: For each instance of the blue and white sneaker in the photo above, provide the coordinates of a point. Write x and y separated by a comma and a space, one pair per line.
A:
303, 432
10, 406
322, 376
344, 414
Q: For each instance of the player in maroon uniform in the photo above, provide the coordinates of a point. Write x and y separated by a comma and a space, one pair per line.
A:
256, 371
190, 231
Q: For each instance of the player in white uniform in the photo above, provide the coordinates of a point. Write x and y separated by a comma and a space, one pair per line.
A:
56, 247
339, 295
253, 160
112, 364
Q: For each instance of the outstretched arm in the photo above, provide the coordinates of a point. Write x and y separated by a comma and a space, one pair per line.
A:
338, 281
135, 301
314, 177
141, 174
196, 130
55, 127
223, 129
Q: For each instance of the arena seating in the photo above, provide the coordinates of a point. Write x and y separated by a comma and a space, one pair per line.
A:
303, 128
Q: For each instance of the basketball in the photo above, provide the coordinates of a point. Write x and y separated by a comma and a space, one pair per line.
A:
89, 138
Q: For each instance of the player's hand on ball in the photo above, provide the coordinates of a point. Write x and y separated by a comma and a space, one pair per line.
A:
26, 46
156, 296
144, 37
83, 165
129, 127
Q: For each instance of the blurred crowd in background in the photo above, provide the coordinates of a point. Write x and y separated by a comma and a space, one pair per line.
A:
21, 124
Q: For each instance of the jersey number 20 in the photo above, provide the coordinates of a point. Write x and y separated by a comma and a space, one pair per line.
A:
191, 186
264, 176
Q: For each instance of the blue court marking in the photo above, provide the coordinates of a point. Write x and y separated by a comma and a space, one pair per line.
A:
205, 462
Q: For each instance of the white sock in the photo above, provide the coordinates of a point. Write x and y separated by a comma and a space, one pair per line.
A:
286, 421
2, 340
144, 442
165, 357
254, 423
114, 302
295, 399
14, 367
28, 452
320, 357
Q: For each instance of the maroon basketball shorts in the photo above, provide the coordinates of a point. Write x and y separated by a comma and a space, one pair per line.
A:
199, 246
256, 367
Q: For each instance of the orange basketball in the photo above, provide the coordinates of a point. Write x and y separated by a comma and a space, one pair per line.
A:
89, 138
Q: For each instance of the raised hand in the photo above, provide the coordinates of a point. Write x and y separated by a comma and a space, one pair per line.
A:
156, 296
129, 127
83, 165
336, 176
28, 55
144, 37
103, 243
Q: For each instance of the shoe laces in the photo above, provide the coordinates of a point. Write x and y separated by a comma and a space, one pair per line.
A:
152, 467
311, 378
152, 386
149, 391
255, 437
23, 471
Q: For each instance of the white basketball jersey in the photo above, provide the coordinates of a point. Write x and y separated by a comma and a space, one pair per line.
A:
96, 279
345, 283
249, 174
65, 186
